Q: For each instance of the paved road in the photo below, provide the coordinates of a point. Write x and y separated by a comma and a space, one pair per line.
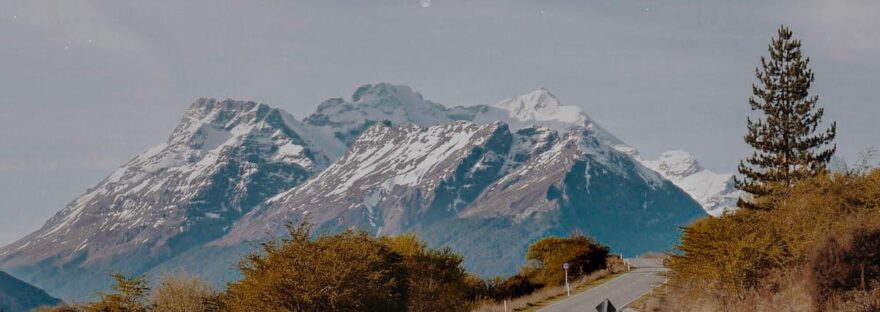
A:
622, 290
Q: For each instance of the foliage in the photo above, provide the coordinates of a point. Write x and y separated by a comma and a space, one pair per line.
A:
547, 256
57, 308
184, 294
544, 269
787, 140
517, 285
435, 279
745, 253
843, 265
730, 253
355, 271
129, 295
349, 271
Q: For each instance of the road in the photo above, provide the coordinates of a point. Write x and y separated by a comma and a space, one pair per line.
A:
622, 290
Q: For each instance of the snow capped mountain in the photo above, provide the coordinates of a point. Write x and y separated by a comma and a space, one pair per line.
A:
392, 178
224, 158
485, 180
545, 157
714, 191
443, 180
541, 105
371, 104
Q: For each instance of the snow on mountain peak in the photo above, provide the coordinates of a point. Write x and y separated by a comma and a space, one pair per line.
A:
677, 163
541, 105
373, 103
714, 191
370, 93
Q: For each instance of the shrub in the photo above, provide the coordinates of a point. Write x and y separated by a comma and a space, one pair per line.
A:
349, 271
184, 294
57, 308
547, 255
728, 254
435, 279
842, 265
517, 286
812, 227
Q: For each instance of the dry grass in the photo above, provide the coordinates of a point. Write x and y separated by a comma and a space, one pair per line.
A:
785, 293
650, 302
548, 295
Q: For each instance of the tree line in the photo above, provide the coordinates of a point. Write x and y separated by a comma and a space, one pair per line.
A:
350, 271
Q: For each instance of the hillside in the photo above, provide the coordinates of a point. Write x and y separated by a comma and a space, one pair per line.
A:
18, 296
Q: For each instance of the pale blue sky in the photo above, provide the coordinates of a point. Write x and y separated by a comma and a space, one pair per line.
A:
86, 85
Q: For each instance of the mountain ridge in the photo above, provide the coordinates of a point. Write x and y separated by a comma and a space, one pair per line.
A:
716, 192
208, 189
223, 158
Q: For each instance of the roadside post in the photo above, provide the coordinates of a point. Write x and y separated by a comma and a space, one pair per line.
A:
567, 286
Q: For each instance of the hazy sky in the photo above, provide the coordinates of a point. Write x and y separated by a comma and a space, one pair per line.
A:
85, 86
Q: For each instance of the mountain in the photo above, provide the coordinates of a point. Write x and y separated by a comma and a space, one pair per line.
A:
542, 108
371, 104
486, 180
391, 179
18, 296
716, 192
224, 158
483, 190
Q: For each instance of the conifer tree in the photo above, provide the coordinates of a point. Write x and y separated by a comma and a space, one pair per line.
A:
789, 146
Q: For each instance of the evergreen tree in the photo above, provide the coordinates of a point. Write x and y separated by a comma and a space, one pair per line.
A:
789, 146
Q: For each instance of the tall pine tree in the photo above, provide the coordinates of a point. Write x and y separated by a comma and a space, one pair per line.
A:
789, 146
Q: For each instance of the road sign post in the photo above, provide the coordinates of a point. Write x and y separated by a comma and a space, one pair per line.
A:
567, 287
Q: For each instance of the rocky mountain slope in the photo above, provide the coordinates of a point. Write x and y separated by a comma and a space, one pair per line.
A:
224, 158
714, 191
486, 180
484, 190
391, 179
18, 296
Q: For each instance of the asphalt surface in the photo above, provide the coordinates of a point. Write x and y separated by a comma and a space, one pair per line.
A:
622, 290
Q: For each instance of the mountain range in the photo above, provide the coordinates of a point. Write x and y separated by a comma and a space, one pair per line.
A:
486, 180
